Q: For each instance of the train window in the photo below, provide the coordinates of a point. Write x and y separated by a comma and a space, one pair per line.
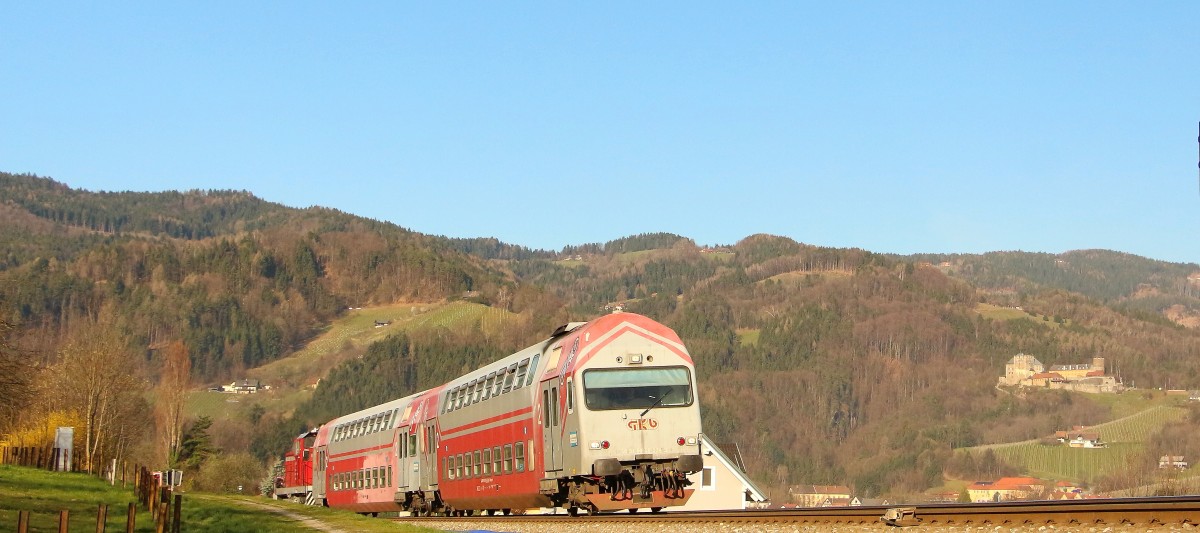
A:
449, 468
507, 458
458, 465
545, 409
522, 370
570, 396
390, 480
377, 476
458, 401
532, 370
371, 425
554, 406
477, 466
637, 388
487, 461
478, 391
412, 444
487, 386
532, 464
468, 465
496, 460
519, 453
508, 377
499, 382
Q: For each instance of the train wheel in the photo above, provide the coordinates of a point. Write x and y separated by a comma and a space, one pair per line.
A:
573, 511
491, 512
470, 512
655, 509
633, 510
507, 512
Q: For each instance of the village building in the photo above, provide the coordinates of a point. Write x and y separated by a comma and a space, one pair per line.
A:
1079, 437
1006, 489
722, 484
245, 386
1172, 461
816, 495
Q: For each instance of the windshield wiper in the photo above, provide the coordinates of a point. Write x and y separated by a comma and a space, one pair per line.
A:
656, 402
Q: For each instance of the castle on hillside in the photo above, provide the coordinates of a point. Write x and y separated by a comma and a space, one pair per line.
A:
1026, 371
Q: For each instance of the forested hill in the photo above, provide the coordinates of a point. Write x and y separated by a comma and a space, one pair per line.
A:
240, 280
826, 365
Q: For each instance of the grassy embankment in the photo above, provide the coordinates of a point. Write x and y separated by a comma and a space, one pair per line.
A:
44, 494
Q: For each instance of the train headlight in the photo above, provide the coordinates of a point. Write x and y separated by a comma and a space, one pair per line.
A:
635, 359
691, 441
599, 445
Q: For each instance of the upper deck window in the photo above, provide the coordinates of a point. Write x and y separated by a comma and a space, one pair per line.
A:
637, 388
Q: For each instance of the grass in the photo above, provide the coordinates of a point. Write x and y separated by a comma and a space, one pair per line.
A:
44, 494
996, 312
748, 336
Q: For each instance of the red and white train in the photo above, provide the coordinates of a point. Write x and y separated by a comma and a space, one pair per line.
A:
601, 416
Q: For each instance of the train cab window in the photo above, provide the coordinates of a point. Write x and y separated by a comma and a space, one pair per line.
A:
487, 462
522, 371
637, 388
532, 370
508, 458
508, 377
496, 460
475, 470
519, 454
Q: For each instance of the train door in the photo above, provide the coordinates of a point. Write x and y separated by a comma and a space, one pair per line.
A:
551, 426
318, 476
429, 464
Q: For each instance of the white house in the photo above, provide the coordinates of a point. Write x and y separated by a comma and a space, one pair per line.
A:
722, 484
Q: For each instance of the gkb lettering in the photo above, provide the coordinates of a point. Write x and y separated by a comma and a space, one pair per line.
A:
643, 424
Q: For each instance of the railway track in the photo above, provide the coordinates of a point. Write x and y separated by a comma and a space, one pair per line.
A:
1140, 512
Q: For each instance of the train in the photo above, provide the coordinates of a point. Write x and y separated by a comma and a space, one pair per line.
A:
602, 416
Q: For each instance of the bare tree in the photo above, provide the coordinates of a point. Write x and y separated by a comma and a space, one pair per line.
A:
97, 376
16, 379
171, 397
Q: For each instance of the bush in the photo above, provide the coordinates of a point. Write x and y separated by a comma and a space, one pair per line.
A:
225, 473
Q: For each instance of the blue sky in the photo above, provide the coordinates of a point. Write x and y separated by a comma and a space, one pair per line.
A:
898, 127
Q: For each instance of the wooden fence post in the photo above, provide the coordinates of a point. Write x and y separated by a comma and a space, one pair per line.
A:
64, 519
178, 512
101, 518
22, 521
131, 518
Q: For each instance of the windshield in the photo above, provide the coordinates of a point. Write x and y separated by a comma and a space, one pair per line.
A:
637, 388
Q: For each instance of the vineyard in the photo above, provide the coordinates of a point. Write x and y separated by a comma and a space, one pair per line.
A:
1123, 439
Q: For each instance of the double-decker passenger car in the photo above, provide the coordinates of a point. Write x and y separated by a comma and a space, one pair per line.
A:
601, 416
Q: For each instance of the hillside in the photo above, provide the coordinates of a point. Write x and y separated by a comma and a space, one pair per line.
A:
827, 366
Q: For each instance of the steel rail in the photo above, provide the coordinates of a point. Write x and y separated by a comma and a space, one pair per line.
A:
1132, 511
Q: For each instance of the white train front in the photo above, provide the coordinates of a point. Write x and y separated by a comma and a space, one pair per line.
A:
601, 416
